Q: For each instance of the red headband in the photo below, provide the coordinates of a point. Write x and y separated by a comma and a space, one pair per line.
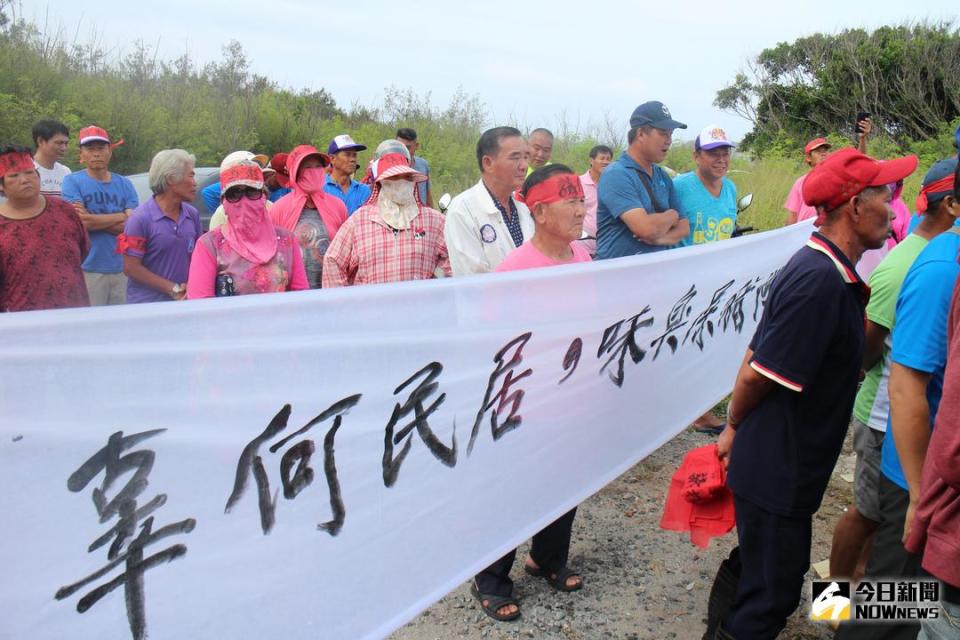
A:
564, 186
943, 185
16, 162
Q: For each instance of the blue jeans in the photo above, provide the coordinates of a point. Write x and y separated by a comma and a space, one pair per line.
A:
946, 627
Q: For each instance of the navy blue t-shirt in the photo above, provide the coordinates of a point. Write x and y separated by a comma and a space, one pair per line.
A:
809, 341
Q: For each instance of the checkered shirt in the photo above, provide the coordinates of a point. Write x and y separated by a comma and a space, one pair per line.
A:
366, 250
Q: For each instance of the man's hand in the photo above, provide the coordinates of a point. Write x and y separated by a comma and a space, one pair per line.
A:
725, 445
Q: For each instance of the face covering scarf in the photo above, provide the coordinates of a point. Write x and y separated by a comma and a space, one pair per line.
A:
312, 180
397, 203
249, 231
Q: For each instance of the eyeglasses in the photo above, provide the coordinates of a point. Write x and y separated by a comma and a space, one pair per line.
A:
250, 193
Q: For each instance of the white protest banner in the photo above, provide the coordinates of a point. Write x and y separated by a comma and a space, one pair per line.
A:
326, 464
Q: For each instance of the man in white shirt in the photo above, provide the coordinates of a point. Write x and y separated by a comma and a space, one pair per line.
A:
50, 137
486, 222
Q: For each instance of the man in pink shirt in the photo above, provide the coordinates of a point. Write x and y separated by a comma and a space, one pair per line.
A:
600, 156
555, 199
556, 203
814, 153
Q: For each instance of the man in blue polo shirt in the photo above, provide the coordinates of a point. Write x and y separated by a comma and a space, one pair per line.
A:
637, 207
343, 164
794, 392
917, 363
104, 201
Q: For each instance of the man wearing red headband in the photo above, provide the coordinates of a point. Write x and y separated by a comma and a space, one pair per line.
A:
916, 364
871, 409
103, 200
42, 241
791, 402
554, 196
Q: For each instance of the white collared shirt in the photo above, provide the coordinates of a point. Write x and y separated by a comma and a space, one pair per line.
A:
477, 237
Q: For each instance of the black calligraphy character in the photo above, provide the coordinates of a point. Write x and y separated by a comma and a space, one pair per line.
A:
427, 387
618, 346
503, 397
572, 359
676, 320
733, 309
762, 292
703, 321
295, 459
124, 505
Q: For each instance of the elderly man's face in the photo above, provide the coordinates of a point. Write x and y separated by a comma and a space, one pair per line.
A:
184, 189
509, 166
541, 148
872, 216
345, 161
563, 219
713, 164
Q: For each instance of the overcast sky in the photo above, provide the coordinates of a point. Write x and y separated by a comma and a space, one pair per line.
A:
529, 62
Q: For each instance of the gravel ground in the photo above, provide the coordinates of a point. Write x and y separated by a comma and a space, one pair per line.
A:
639, 582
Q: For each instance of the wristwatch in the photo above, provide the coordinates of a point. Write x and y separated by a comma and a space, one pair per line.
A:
176, 290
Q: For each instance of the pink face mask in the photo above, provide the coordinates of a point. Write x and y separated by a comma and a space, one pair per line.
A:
249, 231
312, 180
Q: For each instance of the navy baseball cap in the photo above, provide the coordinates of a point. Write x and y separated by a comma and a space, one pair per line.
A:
656, 115
342, 143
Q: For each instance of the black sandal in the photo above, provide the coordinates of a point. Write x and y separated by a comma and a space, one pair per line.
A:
494, 604
556, 580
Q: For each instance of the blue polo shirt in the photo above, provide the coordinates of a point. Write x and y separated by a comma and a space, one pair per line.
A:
113, 196
920, 334
810, 342
621, 190
354, 197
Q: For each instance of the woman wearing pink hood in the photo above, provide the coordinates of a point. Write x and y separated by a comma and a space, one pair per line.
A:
248, 254
311, 215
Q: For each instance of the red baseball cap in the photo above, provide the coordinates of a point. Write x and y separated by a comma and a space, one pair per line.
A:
847, 172
94, 133
816, 142
279, 164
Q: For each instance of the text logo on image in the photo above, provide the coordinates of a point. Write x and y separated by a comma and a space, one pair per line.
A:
831, 601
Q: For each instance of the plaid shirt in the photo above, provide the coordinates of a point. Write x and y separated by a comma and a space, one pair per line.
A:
366, 250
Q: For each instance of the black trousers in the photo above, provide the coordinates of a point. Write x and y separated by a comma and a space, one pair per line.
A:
549, 550
774, 557
888, 560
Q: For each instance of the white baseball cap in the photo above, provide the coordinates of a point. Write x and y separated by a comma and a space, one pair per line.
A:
713, 137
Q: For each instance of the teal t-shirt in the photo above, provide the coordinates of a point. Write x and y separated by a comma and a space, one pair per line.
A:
872, 405
711, 218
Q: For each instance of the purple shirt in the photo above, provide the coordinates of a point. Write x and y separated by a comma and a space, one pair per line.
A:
164, 245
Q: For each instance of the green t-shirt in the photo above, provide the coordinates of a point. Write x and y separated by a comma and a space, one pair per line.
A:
872, 405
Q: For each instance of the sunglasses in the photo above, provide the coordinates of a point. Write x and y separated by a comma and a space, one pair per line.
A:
235, 195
